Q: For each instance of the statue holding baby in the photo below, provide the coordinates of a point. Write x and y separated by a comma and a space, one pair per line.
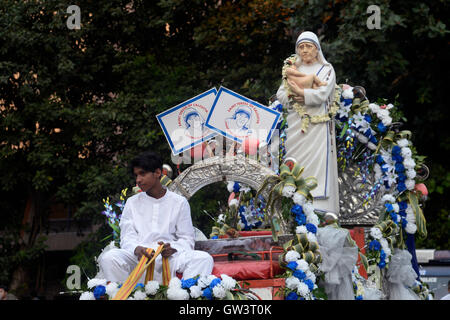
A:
307, 93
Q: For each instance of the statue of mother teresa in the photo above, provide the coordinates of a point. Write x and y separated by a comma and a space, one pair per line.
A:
310, 134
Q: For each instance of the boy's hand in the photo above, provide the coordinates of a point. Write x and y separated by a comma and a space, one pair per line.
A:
140, 251
167, 250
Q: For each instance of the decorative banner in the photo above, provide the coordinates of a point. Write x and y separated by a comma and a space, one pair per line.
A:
237, 117
184, 124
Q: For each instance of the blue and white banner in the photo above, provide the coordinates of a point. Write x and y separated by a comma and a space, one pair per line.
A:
238, 118
184, 125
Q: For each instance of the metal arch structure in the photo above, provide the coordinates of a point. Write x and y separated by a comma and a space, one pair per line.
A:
228, 168
353, 211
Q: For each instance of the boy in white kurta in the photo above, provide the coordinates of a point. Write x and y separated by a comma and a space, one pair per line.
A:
150, 217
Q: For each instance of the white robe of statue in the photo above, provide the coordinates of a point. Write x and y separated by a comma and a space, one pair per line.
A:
315, 149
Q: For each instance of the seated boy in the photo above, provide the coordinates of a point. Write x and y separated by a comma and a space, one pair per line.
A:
152, 217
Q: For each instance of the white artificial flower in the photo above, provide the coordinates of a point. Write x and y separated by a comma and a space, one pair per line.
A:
230, 186
406, 152
245, 189
303, 290
96, 282
299, 199
387, 121
301, 230
312, 218
311, 237
383, 113
196, 291
389, 106
411, 228
362, 138
396, 207
377, 170
411, 173
388, 198
343, 110
374, 107
151, 287
130, 298
410, 184
234, 202
228, 282
111, 289
409, 164
391, 177
384, 244
175, 283
221, 218
371, 146
302, 265
292, 283
219, 291
348, 93
87, 296
402, 143
177, 294
311, 276
292, 255
139, 295
241, 225
387, 251
308, 208
359, 120
376, 233
411, 217
288, 191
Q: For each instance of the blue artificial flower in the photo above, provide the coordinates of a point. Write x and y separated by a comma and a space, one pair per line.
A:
300, 219
368, 118
373, 139
310, 284
99, 291
401, 187
311, 228
139, 285
382, 264
386, 184
279, 107
398, 158
396, 150
379, 159
186, 284
299, 274
389, 207
292, 296
374, 245
297, 209
207, 293
382, 255
401, 177
381, 127
236, 187
403, 205
348, 102
359, 297
394, 217
368, 133
215, 282
404, 223
214, 237
292, 265
399, 167
384, 168
402, 213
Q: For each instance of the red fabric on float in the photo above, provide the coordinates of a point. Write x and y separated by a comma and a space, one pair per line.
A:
246, 270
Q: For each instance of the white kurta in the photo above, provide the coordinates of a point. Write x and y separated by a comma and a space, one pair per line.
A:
315, 150
145, 221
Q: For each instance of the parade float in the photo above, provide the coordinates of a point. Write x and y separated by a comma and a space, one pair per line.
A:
272, 243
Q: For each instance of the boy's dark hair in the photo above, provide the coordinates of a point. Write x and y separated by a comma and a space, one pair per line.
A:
149, 161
